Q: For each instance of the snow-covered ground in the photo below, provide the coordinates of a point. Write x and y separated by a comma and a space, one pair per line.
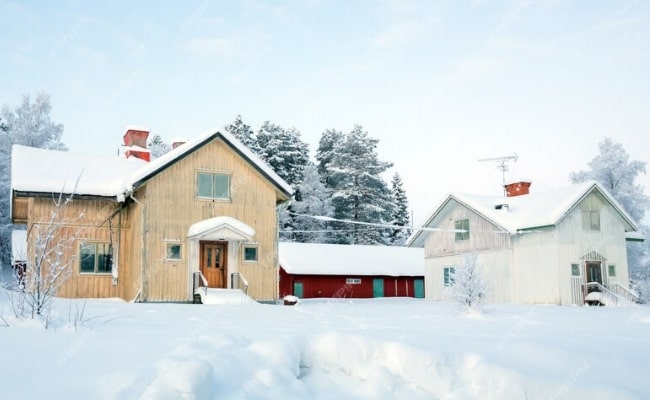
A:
326, 349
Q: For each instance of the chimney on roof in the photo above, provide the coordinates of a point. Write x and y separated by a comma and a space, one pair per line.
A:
135, 140
177, 142
517, 188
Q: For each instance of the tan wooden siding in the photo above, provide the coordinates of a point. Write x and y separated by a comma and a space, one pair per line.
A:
19, 210
483, 235
84, 220
172, 206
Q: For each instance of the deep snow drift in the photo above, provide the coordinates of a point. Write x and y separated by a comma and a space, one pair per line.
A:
326, 349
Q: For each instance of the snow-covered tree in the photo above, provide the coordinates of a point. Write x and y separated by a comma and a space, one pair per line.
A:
400, 212
469, 287
327, 147
284, 151
352, 171
315, 201
243, 133
28, 124
613, 168
157, 146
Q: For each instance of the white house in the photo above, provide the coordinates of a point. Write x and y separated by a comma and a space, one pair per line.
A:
554, 247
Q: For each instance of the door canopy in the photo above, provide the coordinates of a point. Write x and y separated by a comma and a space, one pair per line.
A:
221, 229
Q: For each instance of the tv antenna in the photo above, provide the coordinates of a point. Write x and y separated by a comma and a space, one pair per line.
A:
502, 164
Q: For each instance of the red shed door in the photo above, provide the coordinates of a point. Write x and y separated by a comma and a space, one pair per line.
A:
213, 263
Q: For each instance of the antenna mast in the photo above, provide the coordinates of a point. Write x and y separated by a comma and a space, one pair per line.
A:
502, 164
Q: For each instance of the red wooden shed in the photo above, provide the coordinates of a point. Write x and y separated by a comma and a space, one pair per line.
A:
309, 270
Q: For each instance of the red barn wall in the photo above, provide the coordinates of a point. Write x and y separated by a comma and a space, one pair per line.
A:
336, 286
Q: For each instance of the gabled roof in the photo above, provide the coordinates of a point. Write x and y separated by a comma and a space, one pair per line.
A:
350, 260
50, 171
525, 212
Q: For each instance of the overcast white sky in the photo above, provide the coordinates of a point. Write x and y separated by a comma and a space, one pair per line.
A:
441, 84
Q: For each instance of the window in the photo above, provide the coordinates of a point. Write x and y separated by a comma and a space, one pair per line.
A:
448, 273
464, 225
611, 270
173, 251
353, 281
575, 270
591, 220
95, 258
213, 186
250, 254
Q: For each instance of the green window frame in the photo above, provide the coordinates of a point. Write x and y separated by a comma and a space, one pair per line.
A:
251, 254
95, 258
591, 220
174, 252
462, 224
212, 185
575, 269
448, 276
611, 270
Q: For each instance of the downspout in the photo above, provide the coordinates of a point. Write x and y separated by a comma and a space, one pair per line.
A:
116, 256
142, 292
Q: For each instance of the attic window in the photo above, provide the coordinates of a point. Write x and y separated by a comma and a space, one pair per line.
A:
591, 220
213, 186
462, 224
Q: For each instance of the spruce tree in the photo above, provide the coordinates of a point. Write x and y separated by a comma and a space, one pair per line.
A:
315, 201
157, 146
243, 133
399, 213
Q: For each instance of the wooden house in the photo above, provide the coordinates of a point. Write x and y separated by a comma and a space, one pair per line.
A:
554, 247
143, 230
309, 270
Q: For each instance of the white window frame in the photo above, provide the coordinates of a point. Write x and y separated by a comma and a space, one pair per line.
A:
214, 175
180, 251
257, 253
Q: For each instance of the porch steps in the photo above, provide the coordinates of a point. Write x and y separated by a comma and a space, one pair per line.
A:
224, 296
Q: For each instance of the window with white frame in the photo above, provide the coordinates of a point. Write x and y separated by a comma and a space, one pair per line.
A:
462, 226
173, 251
211, 185
95, 258
251, 254
353, 281
591, 220
575, 269
448, 276
611, 270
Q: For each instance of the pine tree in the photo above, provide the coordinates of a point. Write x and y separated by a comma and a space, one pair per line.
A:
243, 133
28, 124
400, 212
327, 146
157, 146
353, 174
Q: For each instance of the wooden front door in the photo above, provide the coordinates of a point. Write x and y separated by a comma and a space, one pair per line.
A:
213, 263
594, 272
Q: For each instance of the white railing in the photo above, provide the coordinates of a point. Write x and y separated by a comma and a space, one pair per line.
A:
608, 297
200, 282
624, 292
238, 281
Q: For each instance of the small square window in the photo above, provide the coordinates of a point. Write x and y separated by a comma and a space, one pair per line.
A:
173, 251
611, 270
575, 270
591, 220
250, 254
213, 186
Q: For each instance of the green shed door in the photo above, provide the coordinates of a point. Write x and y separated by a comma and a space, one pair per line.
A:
378, 287
418, 288
297, 289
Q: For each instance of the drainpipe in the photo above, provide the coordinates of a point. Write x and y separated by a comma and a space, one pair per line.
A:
143, 287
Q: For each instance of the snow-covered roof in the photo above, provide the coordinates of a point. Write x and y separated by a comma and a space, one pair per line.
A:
341, 259
52, 171
220, 228
529, 211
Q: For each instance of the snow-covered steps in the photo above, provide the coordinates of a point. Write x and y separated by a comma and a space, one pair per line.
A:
224, 296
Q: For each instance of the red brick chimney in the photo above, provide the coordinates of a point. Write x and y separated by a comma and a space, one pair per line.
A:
135, 140
177, 142
517, 188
